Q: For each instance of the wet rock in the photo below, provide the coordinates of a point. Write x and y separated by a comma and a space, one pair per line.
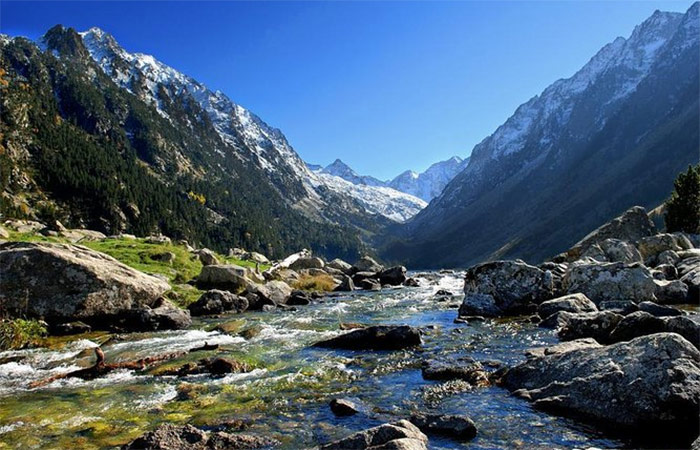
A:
648, 384
341, 265
367, 264
256, 302
342, 407
251, 332
411, 282
208, 257
401, 435
611, 281
307, 263
659, 310
504, 287
443, 293
228, 277
574, 303
299, 298
369, 284
231, 326
464, 368
187, 437
358, 277
213, 366
216, 302
622, 307
596, 325
164, 315
64, 283
347, 285
458, 427
381, 337
631, 226
68, 328
393, 276
671, 292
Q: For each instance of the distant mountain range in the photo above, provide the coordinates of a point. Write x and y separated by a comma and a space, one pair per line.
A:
587, 148
425, 185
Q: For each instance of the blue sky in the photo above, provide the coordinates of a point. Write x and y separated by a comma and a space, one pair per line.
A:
385, 86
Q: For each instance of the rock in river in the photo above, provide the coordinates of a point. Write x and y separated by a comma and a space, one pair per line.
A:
62, 283
217, 302
187, 437
574, 303
401, 435
455, 426
649, 384
381, 337
611, 281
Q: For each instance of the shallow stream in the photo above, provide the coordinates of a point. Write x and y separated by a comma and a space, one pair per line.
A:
286, 393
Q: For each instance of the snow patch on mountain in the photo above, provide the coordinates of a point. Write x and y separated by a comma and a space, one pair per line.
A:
430, 183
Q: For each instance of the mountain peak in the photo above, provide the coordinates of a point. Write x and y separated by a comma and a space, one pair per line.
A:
64, 41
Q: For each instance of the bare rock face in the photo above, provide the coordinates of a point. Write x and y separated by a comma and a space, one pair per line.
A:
401, 435
62, 283
611, 281
648, 384
631, 226
504, 287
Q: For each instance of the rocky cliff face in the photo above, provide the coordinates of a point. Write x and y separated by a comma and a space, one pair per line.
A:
613, 135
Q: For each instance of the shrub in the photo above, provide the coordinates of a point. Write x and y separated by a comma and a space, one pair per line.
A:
683, 208
307, 282
20, 333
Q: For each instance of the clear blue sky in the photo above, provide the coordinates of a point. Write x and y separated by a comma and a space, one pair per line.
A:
385, 86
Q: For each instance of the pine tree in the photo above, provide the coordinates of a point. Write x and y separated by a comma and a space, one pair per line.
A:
683, 208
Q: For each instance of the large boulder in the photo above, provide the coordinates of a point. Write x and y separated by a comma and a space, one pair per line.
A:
163, 315
393, 276
596, 325
574, 303
62, 283
671, 292
613, 250
273, 292
458, 427
367, 264
504, 287
339, 264
652, 246
401, 435
645, 385
216, 302
381, 337
307, 263
24, 226
208, 257
257, 258
346, 285
228, 277
631, 226
611, 281
187, 437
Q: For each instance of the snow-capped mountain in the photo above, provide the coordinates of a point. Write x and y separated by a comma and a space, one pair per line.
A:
613, 135
314, 193
430, 183
339, 169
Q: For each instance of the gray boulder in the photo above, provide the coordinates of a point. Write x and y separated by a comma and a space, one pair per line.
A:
341, 265
631, 226
216, 302
596, 325
671, 292
187, 437
637, 324
346, 285
622, 307
342, 407
381, 337
163, 315
63, 283
307, 263
611, 281
393, 276
228, 277
464, 368
273, 292
613, 250
659, 310
367, 264
574, 303
458, 427
257, 258
401, 435
504, 287
207, 257
652, 246
648, 384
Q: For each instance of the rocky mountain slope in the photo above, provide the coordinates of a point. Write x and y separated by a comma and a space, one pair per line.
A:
613, 135
99, 137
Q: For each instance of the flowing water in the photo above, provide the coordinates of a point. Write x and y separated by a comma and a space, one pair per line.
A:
286, 393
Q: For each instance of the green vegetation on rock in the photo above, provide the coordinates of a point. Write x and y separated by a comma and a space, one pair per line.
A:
20, 333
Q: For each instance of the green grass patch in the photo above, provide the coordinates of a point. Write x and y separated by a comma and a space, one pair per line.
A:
20, 333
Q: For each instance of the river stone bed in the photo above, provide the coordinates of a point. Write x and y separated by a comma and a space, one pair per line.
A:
286, 394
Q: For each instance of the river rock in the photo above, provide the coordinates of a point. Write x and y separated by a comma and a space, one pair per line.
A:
401, 435
458, 427
367, 264
659, 310
596, 325
631, 226
464, 368
611, 281
648, 384
613, 250
299, 298
381, 337
346, 285
686, 326
393, 276
228, 277
369, 284
187, 437
307, 263
341, 265
216, 302
622, 307
63, 283
574, 303
163, 315
504, 287
273, 292
665, 272
671, 292
208, 257
651, 246
637, 324
342, 407
69, 328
